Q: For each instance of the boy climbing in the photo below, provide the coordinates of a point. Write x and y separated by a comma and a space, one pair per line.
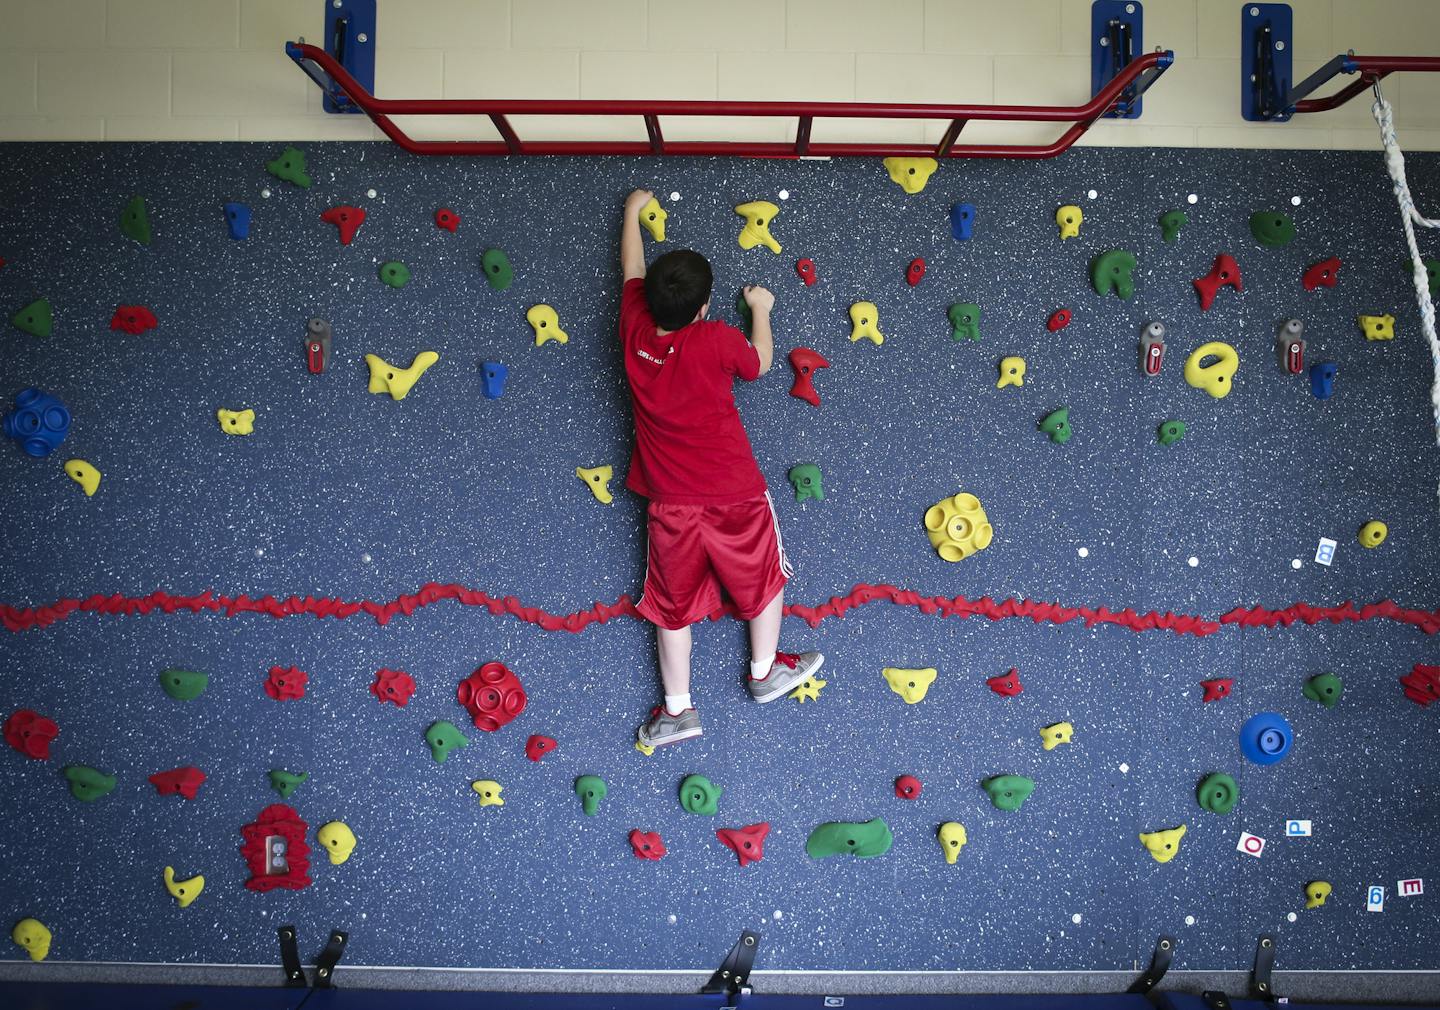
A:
710, 523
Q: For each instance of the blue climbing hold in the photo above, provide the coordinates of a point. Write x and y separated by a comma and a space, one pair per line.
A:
962, 221
1322, 379
39, 422
237, 216
1266, 738
493, 374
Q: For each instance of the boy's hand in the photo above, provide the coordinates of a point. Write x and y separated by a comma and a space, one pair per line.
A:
759, 299
636, 200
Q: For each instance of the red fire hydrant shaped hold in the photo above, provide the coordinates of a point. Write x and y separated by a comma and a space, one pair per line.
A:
804, 361
347, 219
492, 695
1224, 274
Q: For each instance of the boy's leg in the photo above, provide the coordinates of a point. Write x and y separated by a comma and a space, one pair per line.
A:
765, 635
674, 649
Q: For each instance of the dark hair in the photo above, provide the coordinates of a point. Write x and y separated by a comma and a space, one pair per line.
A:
676, 285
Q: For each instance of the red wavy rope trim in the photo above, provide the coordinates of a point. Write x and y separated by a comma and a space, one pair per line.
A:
22, 619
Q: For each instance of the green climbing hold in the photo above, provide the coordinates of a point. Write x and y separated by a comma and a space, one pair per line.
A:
285, 783
840, 838
1324, 688
395, 274
1114, 271
698, 795
498, 272
1056, 424
1432, 273
1170, 224
443, 737
86, 784
1217, 793
1172, 432
184, 685
35, 319
742, 309
964, 321
134, 222
1272, 228
1008, 792
591, 790
805, 478
290, 167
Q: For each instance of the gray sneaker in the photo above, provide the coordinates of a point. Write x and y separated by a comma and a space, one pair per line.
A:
664, 728
786, 672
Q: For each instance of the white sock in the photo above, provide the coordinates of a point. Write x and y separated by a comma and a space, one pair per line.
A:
760, 668
677, 703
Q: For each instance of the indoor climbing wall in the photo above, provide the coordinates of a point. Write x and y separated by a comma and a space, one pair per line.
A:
320, 558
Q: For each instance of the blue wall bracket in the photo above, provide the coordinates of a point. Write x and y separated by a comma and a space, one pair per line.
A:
350, 38
1116, 37
1266, 59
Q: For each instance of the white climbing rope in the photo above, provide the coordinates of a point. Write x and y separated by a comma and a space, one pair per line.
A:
1410, 217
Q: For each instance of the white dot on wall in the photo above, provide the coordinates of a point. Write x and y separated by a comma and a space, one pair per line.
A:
1291, 917
1092, 194
265, 194
259, 552
370, 193
365, 559
784, 194
1192, 198
674, 196
1294, 202
777, 915
1296, 563
1193, 562
671, 919
1084, 552
1124, 768
1075, 918
1189, 920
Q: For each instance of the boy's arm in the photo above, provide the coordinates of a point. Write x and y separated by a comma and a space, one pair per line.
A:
632, 249
760, 302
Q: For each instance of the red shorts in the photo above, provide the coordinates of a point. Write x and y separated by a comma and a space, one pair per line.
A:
695, 551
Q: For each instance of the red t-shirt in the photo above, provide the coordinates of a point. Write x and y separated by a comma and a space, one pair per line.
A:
690, 447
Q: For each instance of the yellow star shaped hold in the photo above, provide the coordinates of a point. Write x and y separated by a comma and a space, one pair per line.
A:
809, 690
644, 748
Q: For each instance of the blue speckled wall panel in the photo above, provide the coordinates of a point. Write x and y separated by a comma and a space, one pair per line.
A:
343, 493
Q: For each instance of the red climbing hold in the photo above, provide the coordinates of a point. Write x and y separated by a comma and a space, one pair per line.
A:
1224, 274
915, 272
276, 851
492, 695
1422, 686
804, 361
806, 269
538, 746
347, 219
30, 733
647, 844
748, 843
1322, 275
447, 219
1217, 688
907, 787
1059, 319
286, 683
394, 686
178, 782
1007, 684
133, 319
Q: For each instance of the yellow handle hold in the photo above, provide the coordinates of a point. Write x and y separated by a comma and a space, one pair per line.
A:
183, 891
1214, 377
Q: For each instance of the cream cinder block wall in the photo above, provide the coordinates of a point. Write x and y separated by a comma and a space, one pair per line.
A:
215, 69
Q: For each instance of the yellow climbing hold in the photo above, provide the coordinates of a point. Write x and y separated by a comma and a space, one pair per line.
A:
1053, 736
1069, 218
865, 323
1378, 327
808, 690
84, 474
952, 839
597, 479
386, 378
1163, 845
1012, 372
338, 839
489, 792
1316, 892
644, 748
234, 422
1214, 377
958, 527
652, 219
909, 684
911, 174
1373, 533
758, 214
183, 891
33, 936
546, 324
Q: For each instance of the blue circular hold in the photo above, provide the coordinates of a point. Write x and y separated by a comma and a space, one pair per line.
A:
1266, 738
